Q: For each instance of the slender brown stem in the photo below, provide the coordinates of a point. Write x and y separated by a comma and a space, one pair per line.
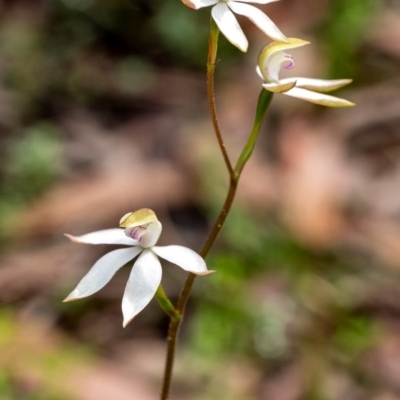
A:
174, 326
173, 331
211, 62
219, 223
262, 106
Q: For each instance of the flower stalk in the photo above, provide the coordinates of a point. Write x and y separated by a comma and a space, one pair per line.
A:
264, 101
166, 305
211, 63
234, 174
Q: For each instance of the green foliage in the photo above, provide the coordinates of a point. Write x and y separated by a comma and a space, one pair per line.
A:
223, 316
32, 162
343, 33
354, 335
265, 285
171, 34
87, 49
13, 388
50, 363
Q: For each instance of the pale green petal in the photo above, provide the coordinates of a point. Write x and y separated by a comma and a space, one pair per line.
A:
318, 98
280, 87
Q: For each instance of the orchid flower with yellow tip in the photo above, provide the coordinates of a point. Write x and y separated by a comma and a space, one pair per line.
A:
270, 61
227, 23
141, 233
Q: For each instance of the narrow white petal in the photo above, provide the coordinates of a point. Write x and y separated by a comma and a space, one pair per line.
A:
142, 285
258, 18
258, 1
196, 4
318, 98
184, 257
318, 85
229, 26
107, 236
102, 272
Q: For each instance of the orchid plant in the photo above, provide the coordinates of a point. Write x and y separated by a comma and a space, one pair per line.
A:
140, 230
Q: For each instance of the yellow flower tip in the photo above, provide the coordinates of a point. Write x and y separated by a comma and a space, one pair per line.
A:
289, 43
280, 88
337, 103
299, 41
137, 218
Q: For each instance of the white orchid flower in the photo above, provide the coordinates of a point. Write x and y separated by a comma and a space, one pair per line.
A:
142, 230
270, 61
228, 25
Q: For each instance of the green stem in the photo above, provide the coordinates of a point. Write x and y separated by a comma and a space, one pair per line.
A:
166, 305
264, 101
262, 106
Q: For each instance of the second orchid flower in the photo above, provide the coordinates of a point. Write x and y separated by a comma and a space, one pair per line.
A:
273, 57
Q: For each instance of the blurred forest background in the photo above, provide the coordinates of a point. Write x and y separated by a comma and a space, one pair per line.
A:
103, 111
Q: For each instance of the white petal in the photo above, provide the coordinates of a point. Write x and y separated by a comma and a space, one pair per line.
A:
258, 18
102, 272
259, 73
153, 232
258, 1
107, 236
184, 257
273, 66
142, 285
269, 52
318, 98
318, 85
229, 26
196, 4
